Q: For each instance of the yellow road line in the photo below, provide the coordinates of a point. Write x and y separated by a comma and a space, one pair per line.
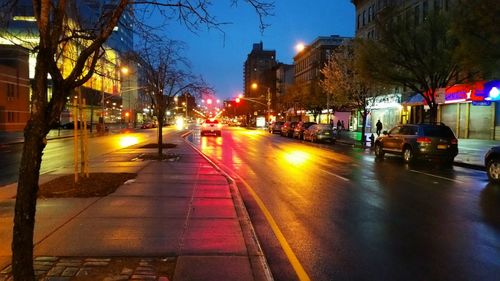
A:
301, 273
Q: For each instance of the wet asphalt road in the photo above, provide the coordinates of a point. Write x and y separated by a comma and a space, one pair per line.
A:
348, 216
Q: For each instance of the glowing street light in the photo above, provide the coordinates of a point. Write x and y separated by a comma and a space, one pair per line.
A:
300, 47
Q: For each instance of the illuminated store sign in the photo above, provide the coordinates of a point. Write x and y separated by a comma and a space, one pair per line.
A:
492, 89
476, 92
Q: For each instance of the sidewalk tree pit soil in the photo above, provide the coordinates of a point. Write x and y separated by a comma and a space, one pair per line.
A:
155, 145
96, 185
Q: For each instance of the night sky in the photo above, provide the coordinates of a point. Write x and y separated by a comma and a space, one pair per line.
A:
219, 58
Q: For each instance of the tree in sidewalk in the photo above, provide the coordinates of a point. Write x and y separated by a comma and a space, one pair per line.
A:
419, 57
165, 76
346, 87
58, 29
474, 23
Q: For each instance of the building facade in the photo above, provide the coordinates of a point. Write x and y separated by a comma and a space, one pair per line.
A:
103, 92
259, 80
307, 66
14, 88
471, 110
285, 74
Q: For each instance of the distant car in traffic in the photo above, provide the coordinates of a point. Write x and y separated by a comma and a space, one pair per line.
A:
287, 128
211, 127
71, 125
432, 141
148, 125
492, 163
298, 131
320, 133
275, 127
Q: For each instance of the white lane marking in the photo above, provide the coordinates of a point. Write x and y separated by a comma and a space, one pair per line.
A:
436, 176
335, 175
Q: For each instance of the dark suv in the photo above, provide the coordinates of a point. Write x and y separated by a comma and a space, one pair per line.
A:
492, 163
419, 141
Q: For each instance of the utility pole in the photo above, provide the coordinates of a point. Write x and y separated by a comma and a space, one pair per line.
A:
186, 96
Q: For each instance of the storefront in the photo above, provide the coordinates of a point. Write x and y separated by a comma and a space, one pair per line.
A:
471, 110
387, 109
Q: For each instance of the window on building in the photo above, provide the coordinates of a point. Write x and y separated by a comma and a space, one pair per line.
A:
369, 14
437, 5
358, 21
11, 92
364, 18
425, 10
417, 15
10, 117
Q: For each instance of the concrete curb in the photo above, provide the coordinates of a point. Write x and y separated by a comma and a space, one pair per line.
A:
258, 259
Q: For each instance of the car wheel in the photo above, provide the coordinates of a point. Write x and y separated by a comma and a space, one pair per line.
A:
407, 155
379, 152
493, 170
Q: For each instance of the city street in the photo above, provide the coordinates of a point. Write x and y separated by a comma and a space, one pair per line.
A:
347, 216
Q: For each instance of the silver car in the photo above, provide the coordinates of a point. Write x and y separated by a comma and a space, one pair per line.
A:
320, 132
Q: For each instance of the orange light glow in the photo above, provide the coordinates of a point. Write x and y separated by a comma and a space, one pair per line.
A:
126, 141
297, 158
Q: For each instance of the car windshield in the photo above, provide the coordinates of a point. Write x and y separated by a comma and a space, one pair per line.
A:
324, 127
438, 131
308, 124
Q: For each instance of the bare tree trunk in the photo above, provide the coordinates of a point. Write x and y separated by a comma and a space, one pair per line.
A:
160, 137
433, 113
363, 127
29, 173
160, 131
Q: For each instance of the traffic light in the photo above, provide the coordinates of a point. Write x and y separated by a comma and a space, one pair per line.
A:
127, 114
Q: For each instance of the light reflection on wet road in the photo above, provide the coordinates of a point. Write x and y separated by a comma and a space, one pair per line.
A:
350, 217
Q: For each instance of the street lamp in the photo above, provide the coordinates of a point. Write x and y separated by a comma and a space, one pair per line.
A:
255, 86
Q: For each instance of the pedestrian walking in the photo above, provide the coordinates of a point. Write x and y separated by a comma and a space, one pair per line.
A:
342, 125
379, 127
339, 125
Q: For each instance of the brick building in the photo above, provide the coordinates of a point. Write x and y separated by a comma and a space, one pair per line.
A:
14, 88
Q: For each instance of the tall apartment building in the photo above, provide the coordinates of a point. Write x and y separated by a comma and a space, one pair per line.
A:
260, 69
309, 62
414, 10
284, 80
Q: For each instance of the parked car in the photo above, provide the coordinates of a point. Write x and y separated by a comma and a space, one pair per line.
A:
287, 128
148, 125
298, 131
211, 127
320, 132
492, 163
419, 141
275, 127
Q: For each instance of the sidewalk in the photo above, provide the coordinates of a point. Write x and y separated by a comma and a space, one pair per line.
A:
185, 212
470, 151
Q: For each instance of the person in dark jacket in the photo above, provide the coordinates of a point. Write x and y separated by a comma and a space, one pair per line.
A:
379, 127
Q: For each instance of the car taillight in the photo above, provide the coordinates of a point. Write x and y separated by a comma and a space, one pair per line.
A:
424, 140
454, 141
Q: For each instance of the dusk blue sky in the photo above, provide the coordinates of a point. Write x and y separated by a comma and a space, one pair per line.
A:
219, 58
